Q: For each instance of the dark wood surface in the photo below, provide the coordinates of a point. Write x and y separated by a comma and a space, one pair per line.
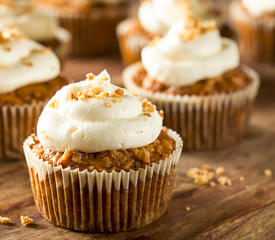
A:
245, 210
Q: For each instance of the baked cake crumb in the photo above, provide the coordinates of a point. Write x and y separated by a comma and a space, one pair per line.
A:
25, 220
5, 220
268, 172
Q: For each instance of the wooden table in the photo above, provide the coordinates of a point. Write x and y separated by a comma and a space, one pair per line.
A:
245, 210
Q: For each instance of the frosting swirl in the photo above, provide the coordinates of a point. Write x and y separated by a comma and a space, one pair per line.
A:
189, 53
24, 62
157, 16
94, 116
258, 8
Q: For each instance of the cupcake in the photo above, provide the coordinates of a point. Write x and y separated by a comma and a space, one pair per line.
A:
101, 161
154, 19
34, 25
92, 23
29, 75
254, 22
194, 75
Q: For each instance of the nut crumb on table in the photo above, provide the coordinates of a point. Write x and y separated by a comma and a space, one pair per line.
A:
268, 172
25, 220
5, 220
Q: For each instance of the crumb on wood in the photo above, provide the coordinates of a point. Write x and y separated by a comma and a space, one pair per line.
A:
5, 220
25, 220
188, 209
268, 172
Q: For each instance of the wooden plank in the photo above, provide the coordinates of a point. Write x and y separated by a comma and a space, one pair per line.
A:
244, 211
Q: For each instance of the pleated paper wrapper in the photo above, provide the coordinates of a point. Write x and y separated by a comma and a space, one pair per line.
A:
204, 122
16, 123
100, 201
256, 37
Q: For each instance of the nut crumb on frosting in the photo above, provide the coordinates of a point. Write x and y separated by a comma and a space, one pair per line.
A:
25, 220
5, 220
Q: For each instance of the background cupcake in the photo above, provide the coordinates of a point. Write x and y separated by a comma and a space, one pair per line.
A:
92, 23
194, 75
102, 159
29, 75
254, 22
34, 25
154, 19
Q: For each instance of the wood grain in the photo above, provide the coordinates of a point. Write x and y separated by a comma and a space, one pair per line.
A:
244, 211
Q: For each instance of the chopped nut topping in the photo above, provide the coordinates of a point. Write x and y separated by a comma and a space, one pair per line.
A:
212, 184
119, 91
147, 114
90, 76
161, 113
65, 157
25, 220
224, 181
148, 107
154, 41
54, 104
206, 167
108, 105
5, 220
268, 173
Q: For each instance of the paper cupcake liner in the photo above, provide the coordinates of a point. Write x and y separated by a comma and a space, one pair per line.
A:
16, 123
256, 35
204, 122
101, 201
92, 34
132, 43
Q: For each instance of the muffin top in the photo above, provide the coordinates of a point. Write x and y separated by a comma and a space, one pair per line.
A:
189, 53
94, 116
34, 25
259, 7
24, 62
157, 16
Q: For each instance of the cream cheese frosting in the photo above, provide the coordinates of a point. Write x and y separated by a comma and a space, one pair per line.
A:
187, 54
94, 115
259, 7
157, 16
24, 62
35, 25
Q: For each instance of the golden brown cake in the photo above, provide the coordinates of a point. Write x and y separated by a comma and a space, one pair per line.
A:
194, 75
114, 170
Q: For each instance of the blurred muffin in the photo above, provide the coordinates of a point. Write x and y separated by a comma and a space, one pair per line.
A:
194, 75
92, 23
154, 19
254, 22
29, 75
34, 25
102, 159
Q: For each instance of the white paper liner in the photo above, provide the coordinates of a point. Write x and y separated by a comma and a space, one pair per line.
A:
101, 201
204, 122
130, 44
256, 36
16, 123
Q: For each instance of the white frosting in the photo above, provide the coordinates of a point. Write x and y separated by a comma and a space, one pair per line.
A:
24, 62
90, 126
258, 7
157, 16
33, 24
177, 61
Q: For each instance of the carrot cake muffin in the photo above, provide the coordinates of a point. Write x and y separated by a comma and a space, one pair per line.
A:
154, 19
92, 23
194, 75
34, 25
29, 75
101, 160
254, 22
